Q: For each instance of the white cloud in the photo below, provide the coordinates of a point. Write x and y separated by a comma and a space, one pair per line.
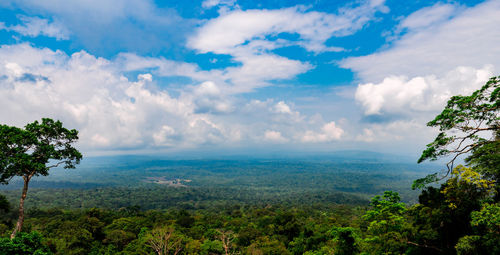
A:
407, 132
225, 33
470, 38
106, 26
443, 50
329, 132
91, 94
428, 16
112, 112
282, 107
367, 136
35, 26
208, 4
274, 136
425, 67
401, 95
256, 71
163, 137
249, 36
209, 98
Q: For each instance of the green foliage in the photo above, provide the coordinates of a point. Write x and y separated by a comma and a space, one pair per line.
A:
468, 245
485, 159
233, 214
274, 230
27, 152
459, 217
211, 247
443, 215
422, 182
486, 224
24, 244
387, 226
461, 123
346, 240
216, 184
489, 217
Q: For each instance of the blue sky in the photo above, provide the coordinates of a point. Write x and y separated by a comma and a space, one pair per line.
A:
228, 76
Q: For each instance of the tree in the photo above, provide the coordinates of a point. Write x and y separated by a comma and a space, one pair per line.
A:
346, 240
468, 124
387, 225
164, 241
227, 239
486, 238
33, 151
24, 244
443, 214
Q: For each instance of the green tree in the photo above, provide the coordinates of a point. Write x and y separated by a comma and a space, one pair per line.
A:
469, 127
486, 224
33, 151
468, 124
346, 240
387, 226
443, 215
164, 241
24, 244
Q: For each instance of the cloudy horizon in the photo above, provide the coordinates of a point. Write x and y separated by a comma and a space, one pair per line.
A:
236, 76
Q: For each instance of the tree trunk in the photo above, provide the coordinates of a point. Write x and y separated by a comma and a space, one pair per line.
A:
20, 220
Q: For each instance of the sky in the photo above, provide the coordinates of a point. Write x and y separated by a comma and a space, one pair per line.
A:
243, 77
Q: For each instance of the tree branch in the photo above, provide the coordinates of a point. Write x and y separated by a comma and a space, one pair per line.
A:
424, 246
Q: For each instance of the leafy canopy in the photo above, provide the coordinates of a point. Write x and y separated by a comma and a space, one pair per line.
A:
28, 151
24, 244
468, 124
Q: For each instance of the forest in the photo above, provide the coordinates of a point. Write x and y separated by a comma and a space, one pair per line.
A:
341, 205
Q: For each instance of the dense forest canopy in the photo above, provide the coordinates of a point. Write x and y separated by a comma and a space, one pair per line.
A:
458, 215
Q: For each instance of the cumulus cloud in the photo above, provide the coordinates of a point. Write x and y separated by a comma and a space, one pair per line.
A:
35, 26
274, 136
89, 93
367, 136
111, 111
329, 132
209, 98
282, 107
402, 95
469, 38
438, 51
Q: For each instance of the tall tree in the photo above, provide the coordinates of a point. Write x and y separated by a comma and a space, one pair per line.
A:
33, 151
468, 125
469, 128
